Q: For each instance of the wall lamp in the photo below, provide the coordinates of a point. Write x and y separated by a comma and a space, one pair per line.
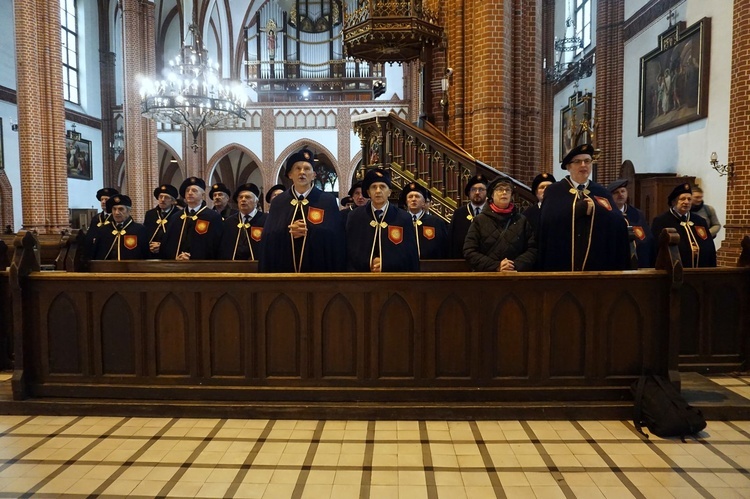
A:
722, 170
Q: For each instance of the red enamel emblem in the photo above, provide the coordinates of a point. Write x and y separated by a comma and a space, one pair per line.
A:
130, 241
604, 203
428, 232
639, 232
701, 231
395, 234
201, 226
315, 215
256, 232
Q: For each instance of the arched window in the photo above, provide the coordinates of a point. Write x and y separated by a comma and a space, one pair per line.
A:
69, 34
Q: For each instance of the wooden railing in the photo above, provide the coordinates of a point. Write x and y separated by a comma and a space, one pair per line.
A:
425, 155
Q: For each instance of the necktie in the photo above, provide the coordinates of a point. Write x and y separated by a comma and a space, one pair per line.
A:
191, 212
379, 214
580, 190
247, 219
301, 197
684, 218
119, 226
476, 212
414, 218
164, 214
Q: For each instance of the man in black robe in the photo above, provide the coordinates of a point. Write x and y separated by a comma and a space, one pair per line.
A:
244, 229
126, 240
303, 231
219, 194
538, 186
643, 238
196, 234
272, 193
380, 237
157, 219
696, 246
100, 221
579, 228
431, 231
476, 191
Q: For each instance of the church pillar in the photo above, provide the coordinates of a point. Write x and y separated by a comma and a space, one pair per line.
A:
610, 50
738, 186
141, 146
41, 130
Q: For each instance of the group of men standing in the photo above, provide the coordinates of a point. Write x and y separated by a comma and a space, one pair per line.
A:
577, 224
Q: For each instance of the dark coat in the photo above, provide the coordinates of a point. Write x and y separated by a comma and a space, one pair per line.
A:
200, 236
585, 242
696, 228
324, 249
226, 212
644, 238
396, 242
457, 230
432, 236
128, 243
493, 237
156, 225
241, 241
532, 214
99, 222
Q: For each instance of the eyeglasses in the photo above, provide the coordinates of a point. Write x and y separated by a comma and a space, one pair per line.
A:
477, 189
586, 162
503, 189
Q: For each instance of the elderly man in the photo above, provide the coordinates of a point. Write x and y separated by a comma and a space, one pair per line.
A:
431, 231
538, 186
157, 219
196, 234
696, 244
643, 238
219, 194
476, 191
303, 231
243, 230
100, 221
579, 229
380, 236
272, 193
126, 240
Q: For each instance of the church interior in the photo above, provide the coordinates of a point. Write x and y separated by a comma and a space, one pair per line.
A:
212, 379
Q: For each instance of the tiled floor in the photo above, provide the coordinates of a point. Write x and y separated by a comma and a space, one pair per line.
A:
67, 456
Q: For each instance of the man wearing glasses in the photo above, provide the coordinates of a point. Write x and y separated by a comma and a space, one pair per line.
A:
476, 191
579, 226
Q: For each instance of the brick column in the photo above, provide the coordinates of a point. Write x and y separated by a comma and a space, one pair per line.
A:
141, 149
41, 129
549, 113
610, 51
738, 187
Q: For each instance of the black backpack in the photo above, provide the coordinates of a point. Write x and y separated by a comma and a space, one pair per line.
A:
661, 408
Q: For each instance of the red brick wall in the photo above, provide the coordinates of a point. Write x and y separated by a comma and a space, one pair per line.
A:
738, 187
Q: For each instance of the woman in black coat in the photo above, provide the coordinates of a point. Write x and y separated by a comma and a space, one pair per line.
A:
500, 238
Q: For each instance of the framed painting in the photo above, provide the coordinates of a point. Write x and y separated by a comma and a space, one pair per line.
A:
78, 157
674, 78
575, 123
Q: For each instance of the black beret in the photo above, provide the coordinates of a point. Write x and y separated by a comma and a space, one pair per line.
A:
166, 189
582, 149
246, 187
277, 187
411, 187
354, 187
375, 175
542, 177
476, 179
118, 200
191, 181
500, 179
680, 189
346, 201
219, 188
305, 155
107, 191
620, 182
